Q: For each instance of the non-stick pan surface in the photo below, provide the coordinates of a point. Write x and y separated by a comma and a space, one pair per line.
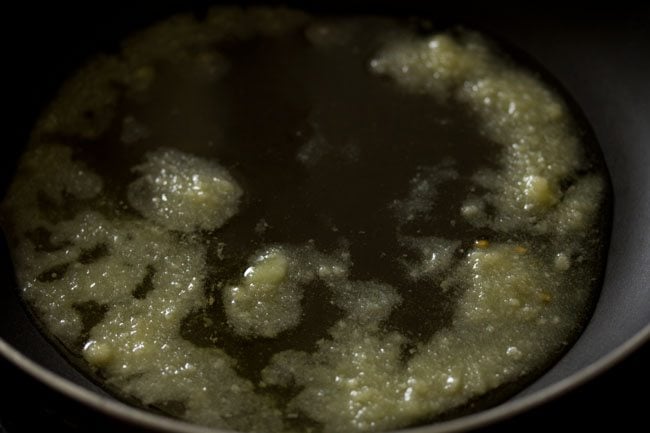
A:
600, 58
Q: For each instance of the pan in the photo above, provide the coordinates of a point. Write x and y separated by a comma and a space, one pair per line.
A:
600, 59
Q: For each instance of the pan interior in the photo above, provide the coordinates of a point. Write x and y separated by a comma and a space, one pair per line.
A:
317, 130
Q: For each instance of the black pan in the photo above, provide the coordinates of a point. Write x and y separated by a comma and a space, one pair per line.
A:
600, 58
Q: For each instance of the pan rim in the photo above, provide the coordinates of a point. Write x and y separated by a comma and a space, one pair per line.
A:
484, 418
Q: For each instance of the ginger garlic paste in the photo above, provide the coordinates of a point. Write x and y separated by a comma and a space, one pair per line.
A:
266, 221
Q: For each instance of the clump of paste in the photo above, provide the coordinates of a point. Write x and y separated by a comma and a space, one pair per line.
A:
183, 192
268, 298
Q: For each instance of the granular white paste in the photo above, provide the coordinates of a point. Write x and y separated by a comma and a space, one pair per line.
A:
515, 109
182, 192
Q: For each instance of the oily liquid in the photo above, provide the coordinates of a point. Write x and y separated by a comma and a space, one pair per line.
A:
327, 155
371, 137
